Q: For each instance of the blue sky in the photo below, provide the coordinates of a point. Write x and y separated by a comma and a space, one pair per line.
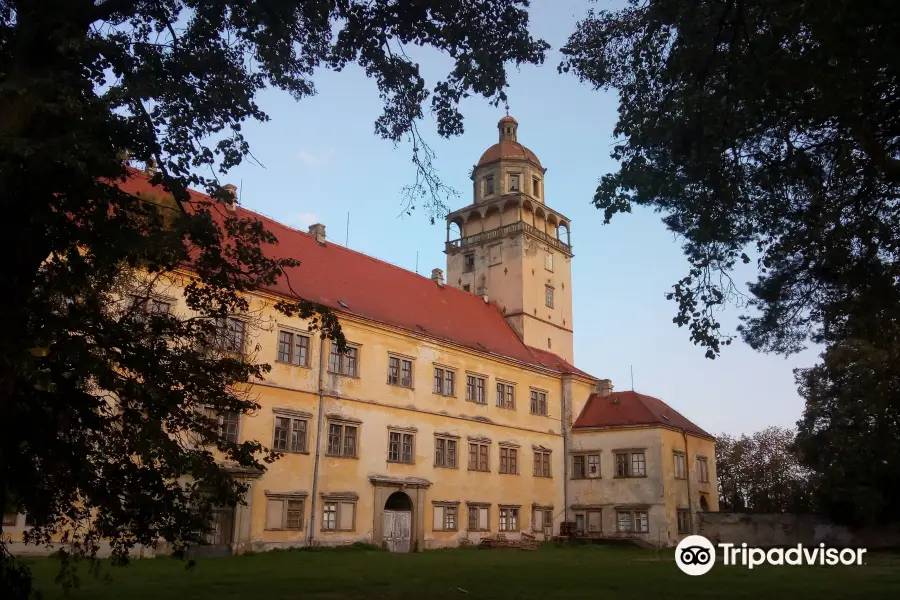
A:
322, 161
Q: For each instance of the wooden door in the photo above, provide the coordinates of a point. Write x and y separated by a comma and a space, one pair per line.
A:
396, 527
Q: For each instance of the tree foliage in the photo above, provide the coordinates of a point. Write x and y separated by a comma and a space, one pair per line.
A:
849, 434
764, 130
97, 398
761, 473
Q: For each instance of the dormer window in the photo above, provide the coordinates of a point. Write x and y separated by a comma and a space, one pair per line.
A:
514, 183
488, 186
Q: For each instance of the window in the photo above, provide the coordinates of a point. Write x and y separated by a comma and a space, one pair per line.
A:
509, 519
230, 335
548, 296
445, 452
479, 517
541, 463
290, 434
226, 423
400, 371
535, 187
339, 514
495, 255
632, 521
579, 523
467, 287
445, 517
343, 364
284, 512
488, 186
548, 262
506, 395
542, 520
478, 457
400, 447
630, 464
469, 263
341, 440
703, 468
514, 183
444, 381
684, 521
293, 348
594, 521
680, 472
538, 402
144, 307
475, 389
585, 466
509, 461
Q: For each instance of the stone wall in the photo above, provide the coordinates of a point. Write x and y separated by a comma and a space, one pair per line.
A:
770, 530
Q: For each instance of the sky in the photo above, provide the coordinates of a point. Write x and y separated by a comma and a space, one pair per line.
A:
320, 161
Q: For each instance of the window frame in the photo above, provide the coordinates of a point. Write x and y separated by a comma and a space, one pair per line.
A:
292, 417
211, 413
285, 499
489, 189
486, 453
477, 385
509, 464
633, 515
679, 464
467, 268
538, 396
535, 186
292, 348
338, 500
474, 510
444, 373
685, 515
445, 506
402, 435
702, 469
540, 458
585, 457
447, 440
506, 399
344, 425
350, 357
512, 512
220, 341
629, 463
548, 295
514, 177
402, 362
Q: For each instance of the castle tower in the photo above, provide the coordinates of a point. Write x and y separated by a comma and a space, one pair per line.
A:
512, 248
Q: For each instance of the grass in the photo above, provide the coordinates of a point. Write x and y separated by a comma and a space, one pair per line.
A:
553, 573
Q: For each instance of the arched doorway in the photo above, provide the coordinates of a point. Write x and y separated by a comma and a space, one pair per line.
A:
397, 522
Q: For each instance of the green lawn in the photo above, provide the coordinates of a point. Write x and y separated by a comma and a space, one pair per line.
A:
597, 573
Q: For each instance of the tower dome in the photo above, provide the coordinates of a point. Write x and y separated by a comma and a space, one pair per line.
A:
508, 147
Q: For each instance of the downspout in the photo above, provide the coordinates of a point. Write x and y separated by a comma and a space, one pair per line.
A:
565, 427
687, 474
315, 481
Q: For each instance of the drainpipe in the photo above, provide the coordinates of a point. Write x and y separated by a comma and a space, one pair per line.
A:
687, 474
315, 480
564, 423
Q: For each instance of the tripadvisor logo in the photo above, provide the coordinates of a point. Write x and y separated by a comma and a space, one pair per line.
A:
696, 555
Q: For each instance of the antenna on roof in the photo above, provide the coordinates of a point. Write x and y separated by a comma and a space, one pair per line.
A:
632, 377
240, 189
347, 239
417, 262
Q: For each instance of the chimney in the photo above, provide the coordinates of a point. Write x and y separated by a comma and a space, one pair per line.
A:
318, 230
231, 198
437, 276
604, 387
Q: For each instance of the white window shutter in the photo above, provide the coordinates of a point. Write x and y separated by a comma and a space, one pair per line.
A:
537, 519
594, 521
483, 518
346, 515
274, 513
438, 518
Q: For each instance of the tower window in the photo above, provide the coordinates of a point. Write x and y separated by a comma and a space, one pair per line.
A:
548, 262
469, 263
548, 296
488, 186
467, 288
514, 183
535, 187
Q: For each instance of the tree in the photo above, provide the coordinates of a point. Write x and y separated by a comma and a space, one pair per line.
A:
850, 431
764, 130
96, 396
761, 473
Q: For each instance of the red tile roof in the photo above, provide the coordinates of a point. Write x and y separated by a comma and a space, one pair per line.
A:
331, 275
508, 149
507, 119
624, 409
